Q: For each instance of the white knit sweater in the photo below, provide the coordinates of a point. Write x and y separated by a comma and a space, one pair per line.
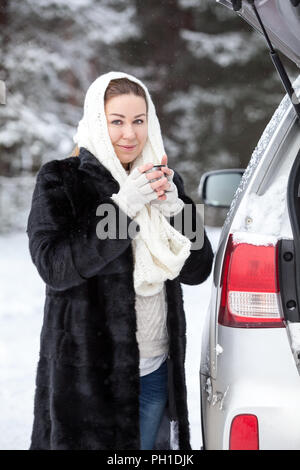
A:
152, 324
152, 334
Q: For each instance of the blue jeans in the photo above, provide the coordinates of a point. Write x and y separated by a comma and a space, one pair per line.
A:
153, 399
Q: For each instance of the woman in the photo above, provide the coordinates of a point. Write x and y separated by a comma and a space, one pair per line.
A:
111, 368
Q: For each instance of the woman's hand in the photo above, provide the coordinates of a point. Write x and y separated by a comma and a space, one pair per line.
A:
168, 200
137, 190
160, 185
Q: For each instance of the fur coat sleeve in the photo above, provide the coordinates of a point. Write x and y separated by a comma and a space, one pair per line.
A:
62, 238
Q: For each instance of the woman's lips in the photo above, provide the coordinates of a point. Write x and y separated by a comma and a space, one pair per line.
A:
128, 147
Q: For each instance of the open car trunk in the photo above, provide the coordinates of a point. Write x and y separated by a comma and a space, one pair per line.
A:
281, 19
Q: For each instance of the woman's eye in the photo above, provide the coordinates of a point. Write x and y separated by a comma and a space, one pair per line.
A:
118, 121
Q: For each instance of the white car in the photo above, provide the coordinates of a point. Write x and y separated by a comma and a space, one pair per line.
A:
250, 364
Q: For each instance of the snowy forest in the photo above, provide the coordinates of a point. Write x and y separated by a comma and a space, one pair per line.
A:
208, 72
214, 87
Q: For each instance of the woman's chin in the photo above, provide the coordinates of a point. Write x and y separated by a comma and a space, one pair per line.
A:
127, 161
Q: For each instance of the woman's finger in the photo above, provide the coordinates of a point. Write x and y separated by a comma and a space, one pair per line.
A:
164, 160
145, 167
168, 171
159, 184
163, 187
154, 174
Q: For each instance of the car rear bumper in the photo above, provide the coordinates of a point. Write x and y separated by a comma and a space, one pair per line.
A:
256, 374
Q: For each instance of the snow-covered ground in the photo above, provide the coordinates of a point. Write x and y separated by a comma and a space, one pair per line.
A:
22, 295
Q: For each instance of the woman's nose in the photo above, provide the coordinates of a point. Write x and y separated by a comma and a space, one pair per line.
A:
128, 132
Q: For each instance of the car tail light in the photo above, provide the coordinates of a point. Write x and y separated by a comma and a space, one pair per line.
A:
250, 293
244, 433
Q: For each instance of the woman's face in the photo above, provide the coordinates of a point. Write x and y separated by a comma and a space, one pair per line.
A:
126, 117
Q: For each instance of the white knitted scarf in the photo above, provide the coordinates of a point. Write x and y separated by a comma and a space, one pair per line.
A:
159, 250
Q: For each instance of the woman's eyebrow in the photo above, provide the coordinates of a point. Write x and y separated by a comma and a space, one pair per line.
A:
121, 115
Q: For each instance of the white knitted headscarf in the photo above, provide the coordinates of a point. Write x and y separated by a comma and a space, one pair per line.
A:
159, 250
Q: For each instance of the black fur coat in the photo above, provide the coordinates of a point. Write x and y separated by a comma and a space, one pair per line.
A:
87, 380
